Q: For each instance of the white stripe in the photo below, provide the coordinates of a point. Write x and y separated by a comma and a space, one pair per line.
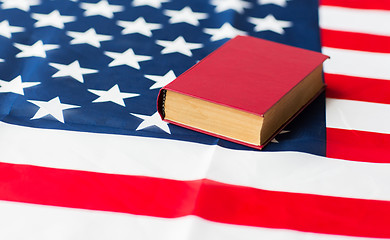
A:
279, 171
355, 20
20, 221
357, 63
357, 115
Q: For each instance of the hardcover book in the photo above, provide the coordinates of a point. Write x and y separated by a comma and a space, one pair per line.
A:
246, 91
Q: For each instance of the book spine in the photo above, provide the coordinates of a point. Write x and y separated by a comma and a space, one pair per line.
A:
161, 102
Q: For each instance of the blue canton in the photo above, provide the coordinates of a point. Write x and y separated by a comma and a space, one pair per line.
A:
97, 66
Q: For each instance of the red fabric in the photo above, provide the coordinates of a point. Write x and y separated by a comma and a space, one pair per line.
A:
357, 88
358, 145
355, 41
363, 4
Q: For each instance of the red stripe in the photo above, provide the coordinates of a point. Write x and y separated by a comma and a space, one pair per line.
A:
357, 88
214, 201
361, 4
355, 41
358, 146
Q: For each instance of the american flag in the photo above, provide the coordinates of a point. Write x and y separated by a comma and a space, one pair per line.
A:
84, 155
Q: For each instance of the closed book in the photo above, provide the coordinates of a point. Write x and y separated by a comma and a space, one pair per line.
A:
246, 91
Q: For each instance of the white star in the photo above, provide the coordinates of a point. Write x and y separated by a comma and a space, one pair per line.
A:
281, 3
53, 107
154, 120
152, 3
138, 26
53, 19
19, 4
236, 5
72, 70
38, 49
282, 132
269, 23
102, 8
6, 30
186, 15
88, 37
15, 85
113, 95
128, 58
226, 31
179, 45
161, 81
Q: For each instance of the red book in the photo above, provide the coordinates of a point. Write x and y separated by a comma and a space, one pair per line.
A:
246, 91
